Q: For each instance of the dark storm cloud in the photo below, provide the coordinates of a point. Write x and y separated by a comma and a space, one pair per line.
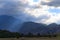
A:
13, 8
55, 3
9, 7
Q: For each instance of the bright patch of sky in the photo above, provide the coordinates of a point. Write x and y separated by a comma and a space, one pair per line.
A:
54, 10
35, 0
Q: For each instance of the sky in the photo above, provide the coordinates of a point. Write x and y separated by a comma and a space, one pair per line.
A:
40, 11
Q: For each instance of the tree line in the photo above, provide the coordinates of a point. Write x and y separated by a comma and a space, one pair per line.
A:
8, 34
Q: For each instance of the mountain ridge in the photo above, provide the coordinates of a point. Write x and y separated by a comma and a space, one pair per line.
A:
39, 28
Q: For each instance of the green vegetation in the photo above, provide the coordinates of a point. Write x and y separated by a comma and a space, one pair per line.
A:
7, 34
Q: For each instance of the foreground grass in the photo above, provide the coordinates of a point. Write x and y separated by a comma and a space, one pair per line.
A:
34, 38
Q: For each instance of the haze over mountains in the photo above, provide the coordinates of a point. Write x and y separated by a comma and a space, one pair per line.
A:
40, 28
15, 25
9, 23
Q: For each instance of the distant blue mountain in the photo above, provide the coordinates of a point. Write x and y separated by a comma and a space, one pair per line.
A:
39, 28
33, 28
54, 28
9, 23
6, 21
15, 25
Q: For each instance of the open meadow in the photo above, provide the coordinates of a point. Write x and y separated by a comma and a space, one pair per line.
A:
34, 38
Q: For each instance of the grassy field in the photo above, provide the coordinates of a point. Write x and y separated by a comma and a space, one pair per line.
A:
42, 38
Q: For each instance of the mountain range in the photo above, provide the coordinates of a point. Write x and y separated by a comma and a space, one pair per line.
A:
33, 27
9, 23
14, 25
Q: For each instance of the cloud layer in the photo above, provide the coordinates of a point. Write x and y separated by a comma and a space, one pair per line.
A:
28, 10
55, 3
